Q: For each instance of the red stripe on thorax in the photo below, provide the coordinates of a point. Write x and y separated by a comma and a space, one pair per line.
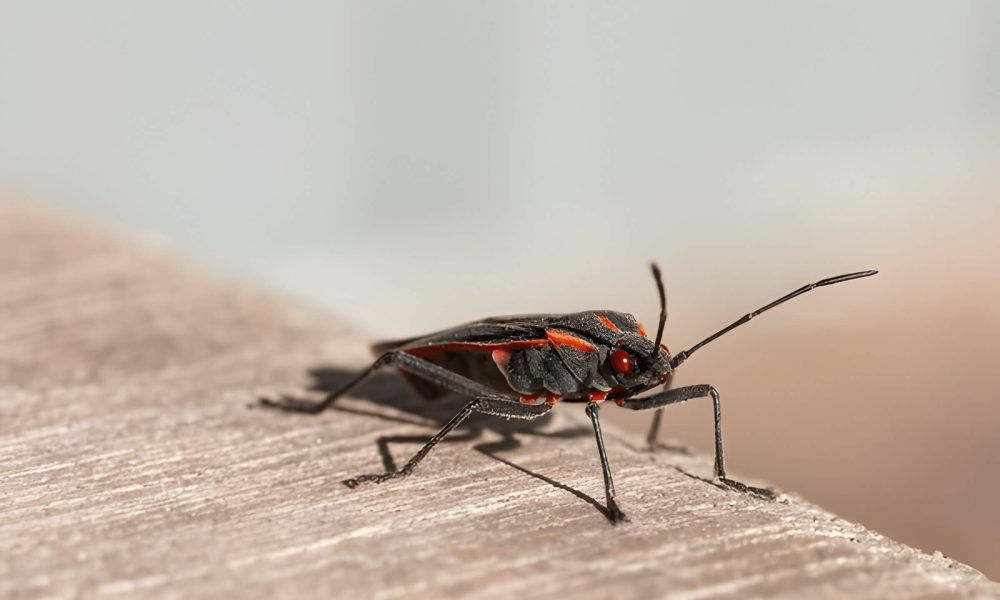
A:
607, 323
567, 339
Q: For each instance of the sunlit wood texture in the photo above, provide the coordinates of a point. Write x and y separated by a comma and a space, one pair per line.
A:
130, 465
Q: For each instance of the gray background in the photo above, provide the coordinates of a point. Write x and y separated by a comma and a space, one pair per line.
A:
410, 165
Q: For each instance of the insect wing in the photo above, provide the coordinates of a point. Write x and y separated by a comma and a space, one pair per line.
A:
468, 349
487, 334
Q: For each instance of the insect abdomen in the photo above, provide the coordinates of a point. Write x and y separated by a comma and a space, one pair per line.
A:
546, 371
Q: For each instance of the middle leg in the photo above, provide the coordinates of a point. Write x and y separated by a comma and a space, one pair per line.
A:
615, 515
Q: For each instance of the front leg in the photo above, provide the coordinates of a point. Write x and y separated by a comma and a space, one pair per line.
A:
684, 394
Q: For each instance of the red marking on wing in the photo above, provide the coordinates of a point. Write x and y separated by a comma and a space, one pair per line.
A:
567, 339
642, 330
607, 322
431, 350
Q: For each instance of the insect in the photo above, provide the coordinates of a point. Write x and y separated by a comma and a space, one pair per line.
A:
519, 367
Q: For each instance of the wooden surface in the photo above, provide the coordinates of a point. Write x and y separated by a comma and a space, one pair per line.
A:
131, 465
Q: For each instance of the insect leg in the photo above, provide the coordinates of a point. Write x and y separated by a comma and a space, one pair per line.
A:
615, 515
407, 362
314, 408
683, 394
486, 400
490, 406
654, 429
653, 434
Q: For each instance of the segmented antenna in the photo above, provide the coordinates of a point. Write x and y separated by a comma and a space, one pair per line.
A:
663, 307
682, 356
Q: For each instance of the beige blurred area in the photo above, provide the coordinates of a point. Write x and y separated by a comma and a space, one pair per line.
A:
879, 399
411, 166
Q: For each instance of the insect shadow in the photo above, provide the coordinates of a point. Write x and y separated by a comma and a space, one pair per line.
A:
388, 390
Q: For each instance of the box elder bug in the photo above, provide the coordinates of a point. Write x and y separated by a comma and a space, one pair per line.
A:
519, 367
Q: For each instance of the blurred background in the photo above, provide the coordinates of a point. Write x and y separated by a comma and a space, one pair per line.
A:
408, 166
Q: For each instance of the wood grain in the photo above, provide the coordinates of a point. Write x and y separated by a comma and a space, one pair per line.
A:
131, 465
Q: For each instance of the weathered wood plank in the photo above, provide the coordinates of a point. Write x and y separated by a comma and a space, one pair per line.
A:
130, 465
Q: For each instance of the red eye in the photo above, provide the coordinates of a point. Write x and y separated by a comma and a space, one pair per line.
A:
621, 361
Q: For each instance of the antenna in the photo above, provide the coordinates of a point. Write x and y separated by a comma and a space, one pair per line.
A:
682, 356
663, 307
